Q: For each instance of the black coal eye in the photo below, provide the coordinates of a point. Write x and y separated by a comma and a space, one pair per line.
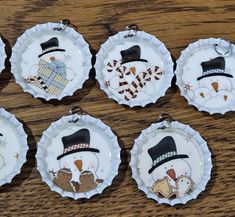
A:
187, 182
171, 165
182, 180
186, 173
165, 168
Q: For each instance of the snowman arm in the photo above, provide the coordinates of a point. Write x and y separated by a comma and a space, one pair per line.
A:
70, 73
33, 71
98, 181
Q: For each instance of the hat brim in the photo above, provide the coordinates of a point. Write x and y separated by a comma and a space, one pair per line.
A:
78, 150
215, 74
49, 51
133, 60
166, 160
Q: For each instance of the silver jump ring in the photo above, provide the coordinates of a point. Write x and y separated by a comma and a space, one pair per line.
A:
132, 30
227, 51
75, 110
165, 119
63, 24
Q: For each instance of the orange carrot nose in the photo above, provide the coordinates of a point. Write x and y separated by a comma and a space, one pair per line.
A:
133, 70
52, 58
78, 164
225, 97
215, 85
171, 173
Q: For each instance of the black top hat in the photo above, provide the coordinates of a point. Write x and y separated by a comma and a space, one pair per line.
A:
163, 152
50, 46
131, 54
214, 67
77, 142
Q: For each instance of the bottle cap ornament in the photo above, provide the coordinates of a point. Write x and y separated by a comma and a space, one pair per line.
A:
13, 147
2, 55
51, 60
134, 68
170, 162
205, 75
78, 156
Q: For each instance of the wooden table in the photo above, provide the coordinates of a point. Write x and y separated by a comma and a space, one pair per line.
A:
176, 23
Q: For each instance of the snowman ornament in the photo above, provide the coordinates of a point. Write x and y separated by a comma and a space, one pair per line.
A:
205, 75
215, 85
80, 160
171, 167
51, 74
170, 162
78, 155
134, 68
51, 60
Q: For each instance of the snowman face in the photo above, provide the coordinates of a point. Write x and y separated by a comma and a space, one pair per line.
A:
136, 67
55, 55
172, 169
78, 162
216, 83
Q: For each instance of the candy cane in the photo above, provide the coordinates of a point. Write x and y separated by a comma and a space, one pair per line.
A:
112, 65
120, 71
156, 71
141, 80
136, 86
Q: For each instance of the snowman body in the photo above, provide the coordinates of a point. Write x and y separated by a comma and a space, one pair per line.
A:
172, 170
79, 162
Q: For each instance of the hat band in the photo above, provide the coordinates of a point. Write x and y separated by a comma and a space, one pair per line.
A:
50, 48
164, 156
212, 71
76, 146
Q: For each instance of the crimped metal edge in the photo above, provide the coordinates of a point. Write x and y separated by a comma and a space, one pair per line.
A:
22, 142
180, 62
40, 156
206, 155
116, 39
78, 39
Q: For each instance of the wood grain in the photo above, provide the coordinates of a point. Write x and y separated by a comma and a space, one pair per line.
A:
177, 23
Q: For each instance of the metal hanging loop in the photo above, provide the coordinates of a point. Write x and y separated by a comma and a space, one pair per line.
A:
75, 110
63, 24
165, 119
228, 49
132, 30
